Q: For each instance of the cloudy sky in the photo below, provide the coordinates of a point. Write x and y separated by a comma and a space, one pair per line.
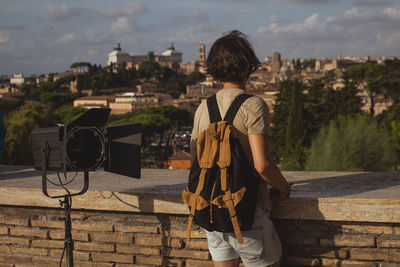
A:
40, 36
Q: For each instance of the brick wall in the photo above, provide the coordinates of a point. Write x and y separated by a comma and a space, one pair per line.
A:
34, 237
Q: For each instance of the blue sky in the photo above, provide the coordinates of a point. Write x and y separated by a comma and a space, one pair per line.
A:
40, 36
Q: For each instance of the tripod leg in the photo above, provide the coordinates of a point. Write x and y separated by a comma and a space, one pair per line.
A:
68, 235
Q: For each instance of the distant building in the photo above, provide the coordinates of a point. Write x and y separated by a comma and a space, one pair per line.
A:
118, 57
180, 160
171, 58
276, 63
17, 79
201, 51
130, 102
88, 102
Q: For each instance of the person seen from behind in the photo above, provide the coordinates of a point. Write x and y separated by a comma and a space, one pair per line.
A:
231, 60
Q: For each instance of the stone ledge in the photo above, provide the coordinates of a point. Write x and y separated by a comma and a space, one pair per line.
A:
359, 197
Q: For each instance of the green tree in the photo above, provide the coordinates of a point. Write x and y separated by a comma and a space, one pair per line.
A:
295, 132
195, 77
9, 105
369, 77
149, 69
352, 144
68, 113
20, 124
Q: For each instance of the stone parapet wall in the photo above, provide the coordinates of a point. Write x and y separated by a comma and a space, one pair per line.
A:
330, 219
35, 237
338, 243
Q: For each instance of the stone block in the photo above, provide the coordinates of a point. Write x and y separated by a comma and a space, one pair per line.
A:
175, 242
48, 243
183, 233
150, 260
197, 244
298, 261
311, 252
367, 229
149, 240
330, 262
14, 221
112, 237
112, 257
375, 254
14, 240
350, 263
15, 259
25, 231
91, 246
388, 264
78, 255
76, 236
30, 251
198, 263
3, 230
93, 227
92, 264
152, 229
347, 240
48, 224
388, 242
47, 261
137, 250
186, 253
5, 249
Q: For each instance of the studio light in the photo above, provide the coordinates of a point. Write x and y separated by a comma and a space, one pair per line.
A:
85, 145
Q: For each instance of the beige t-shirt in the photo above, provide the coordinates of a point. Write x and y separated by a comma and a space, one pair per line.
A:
251, 118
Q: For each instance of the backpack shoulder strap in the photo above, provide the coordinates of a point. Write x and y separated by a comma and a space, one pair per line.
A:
213, 109
234, 107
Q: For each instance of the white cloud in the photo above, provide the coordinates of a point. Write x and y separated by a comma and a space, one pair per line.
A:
311, 1
54, 12
353, 33
67, 38
195, 34
96, 36
124, 25
4, 37
127, 10
374, 3
192, 16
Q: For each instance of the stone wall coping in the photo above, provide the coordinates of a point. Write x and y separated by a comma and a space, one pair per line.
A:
335, 196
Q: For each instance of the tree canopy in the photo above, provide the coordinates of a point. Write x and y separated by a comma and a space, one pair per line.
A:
352, 144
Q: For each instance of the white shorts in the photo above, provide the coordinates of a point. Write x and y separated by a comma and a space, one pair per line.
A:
261, 245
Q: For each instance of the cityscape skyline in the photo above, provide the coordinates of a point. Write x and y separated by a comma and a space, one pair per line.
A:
48, 36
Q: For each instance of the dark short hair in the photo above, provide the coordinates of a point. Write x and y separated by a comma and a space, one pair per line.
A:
232, 58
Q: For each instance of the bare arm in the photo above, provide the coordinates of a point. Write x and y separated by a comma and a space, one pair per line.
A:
265, 166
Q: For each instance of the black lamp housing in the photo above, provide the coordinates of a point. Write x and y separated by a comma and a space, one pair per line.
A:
85, 144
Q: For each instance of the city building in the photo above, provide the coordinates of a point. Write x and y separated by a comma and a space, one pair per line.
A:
171, 58
276, 63
17, 79
131, 102
88, 102
180, 160
118, 57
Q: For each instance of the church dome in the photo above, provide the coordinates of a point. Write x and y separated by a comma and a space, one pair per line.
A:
171, 51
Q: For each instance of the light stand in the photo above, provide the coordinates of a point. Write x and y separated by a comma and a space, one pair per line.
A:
82, 146
66, 204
